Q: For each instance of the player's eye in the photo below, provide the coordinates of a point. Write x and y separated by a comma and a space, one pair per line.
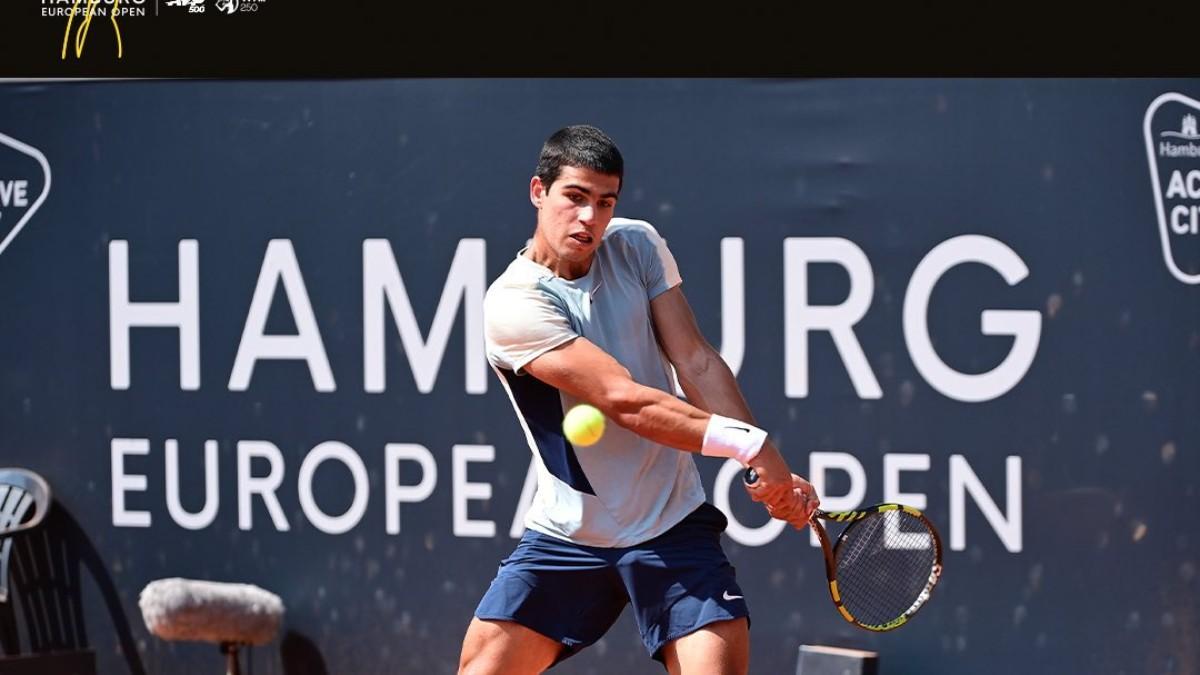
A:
607, 203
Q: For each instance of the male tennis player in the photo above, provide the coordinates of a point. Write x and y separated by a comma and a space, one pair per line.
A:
592, 311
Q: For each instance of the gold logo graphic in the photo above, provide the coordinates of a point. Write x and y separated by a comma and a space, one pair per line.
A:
85, 25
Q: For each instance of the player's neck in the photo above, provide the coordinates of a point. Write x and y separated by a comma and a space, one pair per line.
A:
542, 254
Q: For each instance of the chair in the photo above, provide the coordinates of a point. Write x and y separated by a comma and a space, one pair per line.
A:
42, 627
19, 490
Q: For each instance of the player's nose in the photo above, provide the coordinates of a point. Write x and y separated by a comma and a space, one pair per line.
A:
586, 214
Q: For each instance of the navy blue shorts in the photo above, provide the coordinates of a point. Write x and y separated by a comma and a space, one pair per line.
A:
678, 582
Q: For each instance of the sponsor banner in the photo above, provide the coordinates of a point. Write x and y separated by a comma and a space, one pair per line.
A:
1173, 147
24, 185
242, 341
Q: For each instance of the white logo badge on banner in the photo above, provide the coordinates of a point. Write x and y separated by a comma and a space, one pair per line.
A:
1173, 148
193, 6
18, 183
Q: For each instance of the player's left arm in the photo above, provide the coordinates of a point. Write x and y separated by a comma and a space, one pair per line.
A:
710, 385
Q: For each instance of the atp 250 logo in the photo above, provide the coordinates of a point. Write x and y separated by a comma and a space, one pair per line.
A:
1173, 148
235, 6
24, 184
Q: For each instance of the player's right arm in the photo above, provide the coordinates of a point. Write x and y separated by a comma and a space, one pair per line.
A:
527, 331
587, 372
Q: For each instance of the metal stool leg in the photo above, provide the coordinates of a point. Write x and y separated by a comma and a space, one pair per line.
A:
230, 649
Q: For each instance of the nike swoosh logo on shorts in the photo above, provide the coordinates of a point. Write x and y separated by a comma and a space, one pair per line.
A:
727, 596
738, 428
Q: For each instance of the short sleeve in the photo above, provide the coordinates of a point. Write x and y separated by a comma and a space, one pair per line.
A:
520, 324
659, 271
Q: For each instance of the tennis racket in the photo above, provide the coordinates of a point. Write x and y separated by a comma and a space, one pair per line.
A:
884, 565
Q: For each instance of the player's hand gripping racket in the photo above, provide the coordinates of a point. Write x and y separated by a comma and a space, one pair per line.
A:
884, 565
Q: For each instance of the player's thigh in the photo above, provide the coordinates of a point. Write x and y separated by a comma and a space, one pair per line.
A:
720, 648
505, 647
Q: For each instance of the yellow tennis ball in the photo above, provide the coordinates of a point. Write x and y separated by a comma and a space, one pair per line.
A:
583, 425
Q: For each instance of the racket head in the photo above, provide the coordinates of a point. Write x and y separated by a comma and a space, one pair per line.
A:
884, 565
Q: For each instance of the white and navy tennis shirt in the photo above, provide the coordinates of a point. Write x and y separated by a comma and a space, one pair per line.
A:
625, 489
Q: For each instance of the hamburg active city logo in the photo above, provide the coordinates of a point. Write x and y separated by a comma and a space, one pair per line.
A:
1173, 149
24, 184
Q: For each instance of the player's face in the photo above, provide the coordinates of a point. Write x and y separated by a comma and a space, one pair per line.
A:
574, 211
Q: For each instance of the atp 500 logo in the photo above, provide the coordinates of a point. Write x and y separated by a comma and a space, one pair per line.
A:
1173, 148
193, 6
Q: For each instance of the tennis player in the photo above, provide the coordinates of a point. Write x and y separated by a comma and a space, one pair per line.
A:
592, 310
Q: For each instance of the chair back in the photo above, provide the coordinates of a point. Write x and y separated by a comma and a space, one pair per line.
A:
20, 490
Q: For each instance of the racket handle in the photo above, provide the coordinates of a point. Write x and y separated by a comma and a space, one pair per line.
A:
750, 476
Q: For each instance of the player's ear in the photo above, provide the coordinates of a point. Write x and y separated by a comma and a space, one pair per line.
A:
537, 192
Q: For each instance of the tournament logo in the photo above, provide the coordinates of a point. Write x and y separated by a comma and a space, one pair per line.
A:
79, 15
1173, 149
24, 184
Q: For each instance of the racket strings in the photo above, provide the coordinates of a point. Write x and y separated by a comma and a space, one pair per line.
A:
884, 567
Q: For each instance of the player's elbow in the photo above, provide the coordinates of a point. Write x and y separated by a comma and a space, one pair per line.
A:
694, 365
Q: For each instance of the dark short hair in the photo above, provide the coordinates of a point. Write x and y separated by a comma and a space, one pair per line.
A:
581, 146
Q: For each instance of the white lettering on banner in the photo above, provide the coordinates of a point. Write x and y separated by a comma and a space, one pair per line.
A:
465, 491
123, 482
394, 492
819, 464
13, 193
465, 284
1024, 325
280, 264
962, 481
1176, 189
124, 315
212, 498
1179, 224
733, 303
800, 317
385, 293
893, 464
1178, 150
384, 290
731, 473
1169, 125
358, 471
263, 486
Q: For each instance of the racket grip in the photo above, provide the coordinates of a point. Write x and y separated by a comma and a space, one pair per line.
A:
750, 476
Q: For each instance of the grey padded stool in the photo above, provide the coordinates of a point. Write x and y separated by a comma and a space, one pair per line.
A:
229, 615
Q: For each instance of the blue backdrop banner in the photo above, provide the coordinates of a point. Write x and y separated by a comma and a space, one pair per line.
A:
242, 341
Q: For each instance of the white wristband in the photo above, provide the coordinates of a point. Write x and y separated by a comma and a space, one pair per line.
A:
727, 437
